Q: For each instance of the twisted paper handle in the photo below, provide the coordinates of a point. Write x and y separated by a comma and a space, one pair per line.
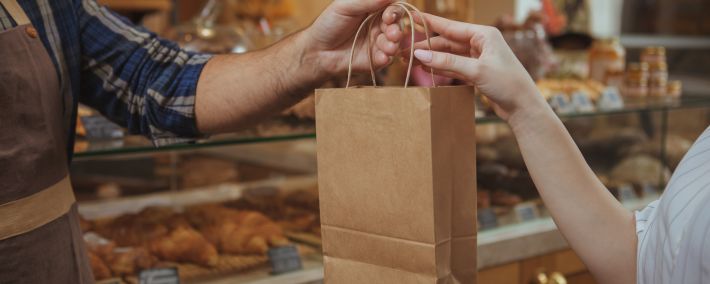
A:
372, 19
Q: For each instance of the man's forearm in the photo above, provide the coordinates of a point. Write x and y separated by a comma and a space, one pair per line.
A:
597, 227
235, 91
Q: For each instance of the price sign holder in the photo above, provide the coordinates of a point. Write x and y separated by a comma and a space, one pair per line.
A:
582, 103
100, 128
159, 276
627, 193
610, 100
487, 218
284, 259
561, 104
527, 211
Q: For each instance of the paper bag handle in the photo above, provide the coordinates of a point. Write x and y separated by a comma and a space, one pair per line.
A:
371, 19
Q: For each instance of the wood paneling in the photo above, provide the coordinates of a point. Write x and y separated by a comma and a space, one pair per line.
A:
505, 274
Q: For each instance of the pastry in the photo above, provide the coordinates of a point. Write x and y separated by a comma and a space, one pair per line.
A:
99, 267
237, 232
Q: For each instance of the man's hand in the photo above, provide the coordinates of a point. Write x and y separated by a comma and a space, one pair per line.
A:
330, 38
237, 91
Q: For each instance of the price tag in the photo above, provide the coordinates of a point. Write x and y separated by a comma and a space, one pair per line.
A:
610, 100
487, 219
159, 276
561, 104
99, 128
284, 259
627, 193
527, 212
649, 190
582, 103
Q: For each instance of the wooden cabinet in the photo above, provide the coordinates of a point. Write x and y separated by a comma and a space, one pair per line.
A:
566, 263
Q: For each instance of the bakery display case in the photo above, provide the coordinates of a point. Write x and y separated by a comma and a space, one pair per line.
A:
228, 200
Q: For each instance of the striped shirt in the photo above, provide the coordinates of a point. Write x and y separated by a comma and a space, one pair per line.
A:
131, 76
674, 232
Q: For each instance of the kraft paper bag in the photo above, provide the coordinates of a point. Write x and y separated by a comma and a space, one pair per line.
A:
397, 184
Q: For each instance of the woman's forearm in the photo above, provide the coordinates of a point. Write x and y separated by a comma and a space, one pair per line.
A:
595, 224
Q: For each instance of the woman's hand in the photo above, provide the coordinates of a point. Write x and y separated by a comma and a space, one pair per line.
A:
479, 54
330, 37
587, 214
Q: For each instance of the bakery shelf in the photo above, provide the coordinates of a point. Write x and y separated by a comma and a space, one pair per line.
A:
292, 129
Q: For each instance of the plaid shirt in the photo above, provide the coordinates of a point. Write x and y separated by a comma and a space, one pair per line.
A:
132, 77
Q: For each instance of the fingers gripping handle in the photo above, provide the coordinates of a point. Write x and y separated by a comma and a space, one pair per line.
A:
373, 19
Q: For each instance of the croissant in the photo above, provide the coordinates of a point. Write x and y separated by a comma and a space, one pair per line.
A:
236, 232
185, 245
99, 267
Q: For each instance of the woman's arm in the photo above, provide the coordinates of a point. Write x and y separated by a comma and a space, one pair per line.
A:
595, 224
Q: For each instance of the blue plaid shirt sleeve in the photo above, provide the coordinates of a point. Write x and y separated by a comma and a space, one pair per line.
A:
137, 79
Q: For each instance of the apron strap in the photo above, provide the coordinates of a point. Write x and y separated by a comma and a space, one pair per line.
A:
15, 11
34, 211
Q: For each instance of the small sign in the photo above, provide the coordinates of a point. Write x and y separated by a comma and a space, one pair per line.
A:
582, 103
561, 104
627, 193
284, 259
487, 218
159, 276
527, 212
649, 190
610, 100
99, 128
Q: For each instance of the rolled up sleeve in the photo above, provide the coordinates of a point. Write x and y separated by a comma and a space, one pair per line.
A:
136, 79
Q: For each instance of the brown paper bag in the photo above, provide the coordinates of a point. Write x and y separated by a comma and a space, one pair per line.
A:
396, 174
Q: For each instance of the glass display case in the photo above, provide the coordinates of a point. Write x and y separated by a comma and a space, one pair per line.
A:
126, 186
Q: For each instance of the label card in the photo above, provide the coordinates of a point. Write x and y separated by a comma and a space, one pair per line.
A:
527, 211
561, 104
159, 276
610, 100
284, 259
100, 128
487, 219
582, 103
627, 193
649, 190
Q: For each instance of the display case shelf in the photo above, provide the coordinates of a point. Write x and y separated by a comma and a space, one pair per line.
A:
291, 129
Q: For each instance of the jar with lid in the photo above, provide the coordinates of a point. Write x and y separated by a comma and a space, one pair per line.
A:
606, 55
654, 54
636, 80
657, 79
675, 89
658, 73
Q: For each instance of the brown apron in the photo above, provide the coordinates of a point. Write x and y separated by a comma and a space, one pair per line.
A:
40, 237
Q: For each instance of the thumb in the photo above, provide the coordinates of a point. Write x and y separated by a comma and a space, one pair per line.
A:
360, 7
465, 66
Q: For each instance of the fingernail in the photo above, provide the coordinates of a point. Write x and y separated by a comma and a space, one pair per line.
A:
423, 55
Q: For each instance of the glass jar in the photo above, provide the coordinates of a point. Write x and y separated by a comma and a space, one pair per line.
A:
675, 89
636, 80
658, 73
636, 89
606, 55
654, 54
